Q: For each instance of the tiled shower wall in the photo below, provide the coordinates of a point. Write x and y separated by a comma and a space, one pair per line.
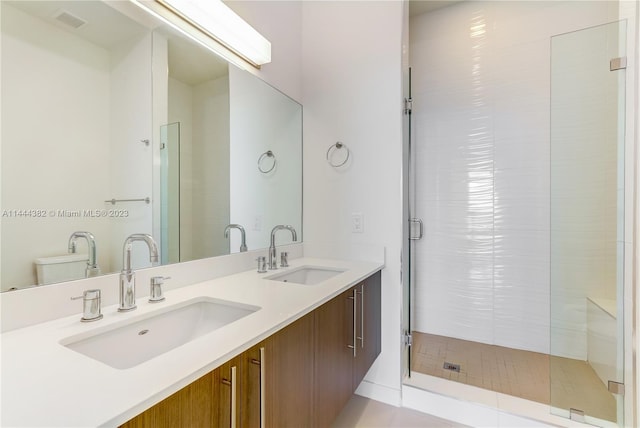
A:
481, 90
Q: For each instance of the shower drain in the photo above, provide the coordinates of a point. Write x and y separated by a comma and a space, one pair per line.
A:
452, 367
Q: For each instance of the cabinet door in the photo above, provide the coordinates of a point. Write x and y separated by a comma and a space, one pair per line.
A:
226, 393
250, 387
289, 375
333, 376
368, 326
191, 406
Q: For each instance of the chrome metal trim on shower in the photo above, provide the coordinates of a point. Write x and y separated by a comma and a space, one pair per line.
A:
618, 63
420, 229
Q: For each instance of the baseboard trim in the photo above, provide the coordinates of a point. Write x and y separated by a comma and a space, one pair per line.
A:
381, 393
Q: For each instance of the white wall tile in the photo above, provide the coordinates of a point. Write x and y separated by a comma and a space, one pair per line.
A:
482, 85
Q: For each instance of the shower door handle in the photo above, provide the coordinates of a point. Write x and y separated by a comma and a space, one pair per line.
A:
420, 229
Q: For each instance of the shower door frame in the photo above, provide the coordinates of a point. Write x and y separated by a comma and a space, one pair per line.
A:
408, 209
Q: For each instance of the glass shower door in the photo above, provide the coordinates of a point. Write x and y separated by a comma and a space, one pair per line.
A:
587, 218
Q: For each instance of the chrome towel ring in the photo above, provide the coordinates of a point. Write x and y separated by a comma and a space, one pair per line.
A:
334, 148
265, 155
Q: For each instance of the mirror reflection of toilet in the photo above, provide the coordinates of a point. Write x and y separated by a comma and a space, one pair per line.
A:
60, 268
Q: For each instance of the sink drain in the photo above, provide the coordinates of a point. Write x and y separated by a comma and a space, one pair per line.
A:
452, 367
143, 332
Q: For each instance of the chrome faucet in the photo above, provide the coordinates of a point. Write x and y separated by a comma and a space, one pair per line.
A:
92, 264
243, 242
127, 295
273, 263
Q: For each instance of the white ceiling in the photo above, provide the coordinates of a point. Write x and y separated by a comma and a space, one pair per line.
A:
189, 63
192, 64
105, 26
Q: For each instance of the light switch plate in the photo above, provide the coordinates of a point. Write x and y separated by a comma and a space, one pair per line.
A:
257, 223
357, 223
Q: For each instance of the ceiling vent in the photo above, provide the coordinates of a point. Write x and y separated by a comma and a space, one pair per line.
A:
69, 19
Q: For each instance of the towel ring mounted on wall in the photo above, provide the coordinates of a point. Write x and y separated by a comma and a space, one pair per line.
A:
265, 155
334, 148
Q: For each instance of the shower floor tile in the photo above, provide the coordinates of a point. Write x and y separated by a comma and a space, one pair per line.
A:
523, 374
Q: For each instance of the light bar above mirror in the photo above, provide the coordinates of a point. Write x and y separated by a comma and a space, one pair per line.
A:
217, 21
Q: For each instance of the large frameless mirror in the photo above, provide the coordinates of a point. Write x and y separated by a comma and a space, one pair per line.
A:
115, 124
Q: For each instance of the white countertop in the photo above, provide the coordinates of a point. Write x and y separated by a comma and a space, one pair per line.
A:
46, 384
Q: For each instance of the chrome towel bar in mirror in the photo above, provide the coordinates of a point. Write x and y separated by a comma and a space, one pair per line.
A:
113, 201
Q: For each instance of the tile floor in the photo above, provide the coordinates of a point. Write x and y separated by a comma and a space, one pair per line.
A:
523, 374
364, 413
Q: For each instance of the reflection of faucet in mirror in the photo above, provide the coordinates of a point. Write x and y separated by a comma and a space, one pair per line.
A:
273, 264
127, 292
92, 263
248, 111
243, 239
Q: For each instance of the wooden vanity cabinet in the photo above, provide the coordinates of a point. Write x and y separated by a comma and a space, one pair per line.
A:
347, 343
227, 396
368, 303
250, 382
191, 406
333, 382
301, 376
228, 403
272, 380
289, 375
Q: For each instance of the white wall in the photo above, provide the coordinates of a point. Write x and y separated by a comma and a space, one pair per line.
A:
160, 114
181, 110
210, 163
342, 60
263, 119
86, 130
281, 23
203, 113
481, 108
131, 160
50, 141
352, 93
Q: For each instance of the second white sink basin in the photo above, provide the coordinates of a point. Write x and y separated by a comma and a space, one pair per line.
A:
306, 275
134, 343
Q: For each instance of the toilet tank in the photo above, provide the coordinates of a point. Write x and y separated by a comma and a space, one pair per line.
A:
61, 268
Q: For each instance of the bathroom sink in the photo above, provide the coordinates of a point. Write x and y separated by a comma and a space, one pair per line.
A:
306, 275
134, 343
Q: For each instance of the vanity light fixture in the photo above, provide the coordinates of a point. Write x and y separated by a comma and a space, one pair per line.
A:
217, 21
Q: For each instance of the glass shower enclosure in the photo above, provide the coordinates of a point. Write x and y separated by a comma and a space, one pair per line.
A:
514, 283
587, 224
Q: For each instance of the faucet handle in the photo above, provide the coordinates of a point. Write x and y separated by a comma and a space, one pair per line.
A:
155, 290
159, 280
91, 305
284, 259
262, 264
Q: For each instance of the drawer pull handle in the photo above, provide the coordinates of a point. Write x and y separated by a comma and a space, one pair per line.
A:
263, 387
355, 315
